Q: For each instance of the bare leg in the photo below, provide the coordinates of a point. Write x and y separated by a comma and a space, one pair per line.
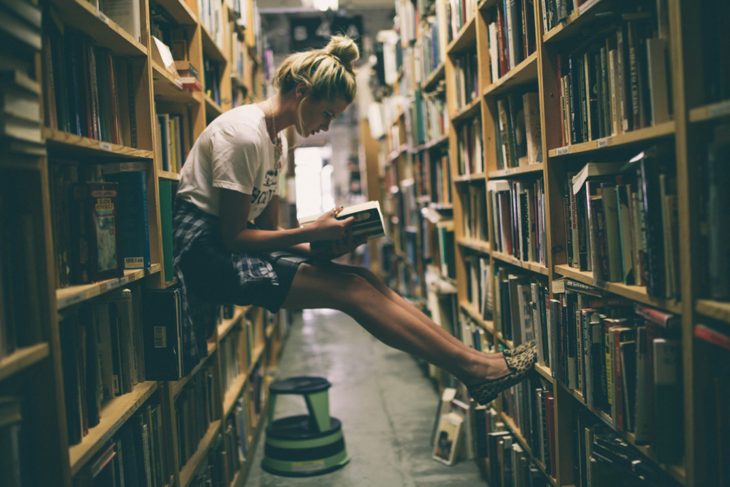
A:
393, 324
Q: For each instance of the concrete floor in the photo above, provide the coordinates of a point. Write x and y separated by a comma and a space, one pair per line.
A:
385, 402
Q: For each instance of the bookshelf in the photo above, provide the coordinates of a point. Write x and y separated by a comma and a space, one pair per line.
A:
682, 110
71, 395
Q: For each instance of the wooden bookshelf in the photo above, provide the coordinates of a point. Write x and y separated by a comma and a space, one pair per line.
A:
693, 116
510, 423
111, 418
433, 78
36, 372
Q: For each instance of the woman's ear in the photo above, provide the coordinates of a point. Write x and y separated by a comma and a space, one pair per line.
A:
301, 90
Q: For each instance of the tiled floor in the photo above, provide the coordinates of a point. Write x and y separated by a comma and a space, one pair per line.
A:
385, 402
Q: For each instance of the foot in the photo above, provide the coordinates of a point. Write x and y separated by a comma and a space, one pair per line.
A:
517, 368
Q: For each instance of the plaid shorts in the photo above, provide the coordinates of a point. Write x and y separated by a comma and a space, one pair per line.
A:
211, 275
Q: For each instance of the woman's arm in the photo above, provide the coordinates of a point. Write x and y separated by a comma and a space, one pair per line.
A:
269, 220
234, 210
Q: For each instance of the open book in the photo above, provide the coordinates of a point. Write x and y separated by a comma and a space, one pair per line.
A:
368, 222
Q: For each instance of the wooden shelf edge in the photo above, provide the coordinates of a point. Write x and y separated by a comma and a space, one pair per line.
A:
574, 20
516, 171
514, 75
634, 293
179, 11
23, 358
468, 111
714, 309
469, 309
211, 105
526, 265
232, 393
711, 111
544, 371
227, 325
71, 295
191, 465
112, 416
69, 141
176, 386
467, 178
475, 245
432, 77
173, 176
463, 38
640, 135
211, 48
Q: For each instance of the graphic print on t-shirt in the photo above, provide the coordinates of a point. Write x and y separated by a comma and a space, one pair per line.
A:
262, 197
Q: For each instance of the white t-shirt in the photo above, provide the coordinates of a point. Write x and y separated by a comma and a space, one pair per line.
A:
233, 152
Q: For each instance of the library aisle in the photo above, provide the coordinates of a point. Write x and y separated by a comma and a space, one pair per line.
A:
386, 416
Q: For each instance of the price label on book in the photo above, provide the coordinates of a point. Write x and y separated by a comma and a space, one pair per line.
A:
561, 151
105, 146
603, 142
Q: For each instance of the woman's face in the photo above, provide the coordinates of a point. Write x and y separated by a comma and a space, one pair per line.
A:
316, 115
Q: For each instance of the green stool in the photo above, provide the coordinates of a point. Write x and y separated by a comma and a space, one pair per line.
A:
305, 445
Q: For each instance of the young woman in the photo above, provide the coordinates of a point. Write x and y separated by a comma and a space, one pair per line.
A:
230, 249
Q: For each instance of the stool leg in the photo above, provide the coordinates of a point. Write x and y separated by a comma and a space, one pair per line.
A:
319, 408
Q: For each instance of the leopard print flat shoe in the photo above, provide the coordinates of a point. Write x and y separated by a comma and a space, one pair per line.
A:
511, 352
519, 366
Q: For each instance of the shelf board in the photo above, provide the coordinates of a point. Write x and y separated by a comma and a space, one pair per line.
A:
232, 393
431, 81
191, 465
465, 38
470, 178
211, 107
468, 111
211, 49
665, 129
710, 112
486, 4
71, 295
544, 371
444, 139
714, 309
105, 32
517, 433
396, 153
634, 293
474, 244
228, 325
22, 358
579, 19
167, 88
488, 325
524, 72
526, 265
515, 171
176, 386
112, 416
59, 141
173, 176
678, 472
179, 11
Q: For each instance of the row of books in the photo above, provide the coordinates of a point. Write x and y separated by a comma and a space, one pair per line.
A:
555, 12
102, 355
474, 208
196, 408
15, 461
470, 147
625, 361
518, 134
458, 13
622, 222
617, 83
164, 28
21, 278
429, 45
20, 91
716, 74
511, 31
466, 78
437, 177
172, 127
479, 285
210, 13
520, 312
88, 91
430, 116
518, 213
100, 220
432, 219
212, 76
134, 456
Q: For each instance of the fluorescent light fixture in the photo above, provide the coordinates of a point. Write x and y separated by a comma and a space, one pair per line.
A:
324, 5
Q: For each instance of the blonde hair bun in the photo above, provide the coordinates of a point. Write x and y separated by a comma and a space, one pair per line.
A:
344, 49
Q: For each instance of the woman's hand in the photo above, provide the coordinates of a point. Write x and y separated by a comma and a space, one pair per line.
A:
328, 227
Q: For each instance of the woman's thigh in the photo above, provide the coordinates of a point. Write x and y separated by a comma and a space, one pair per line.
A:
327, 286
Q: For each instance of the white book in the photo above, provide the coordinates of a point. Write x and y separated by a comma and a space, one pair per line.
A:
594, 169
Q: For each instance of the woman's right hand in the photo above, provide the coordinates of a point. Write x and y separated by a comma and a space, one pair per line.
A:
328, 227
